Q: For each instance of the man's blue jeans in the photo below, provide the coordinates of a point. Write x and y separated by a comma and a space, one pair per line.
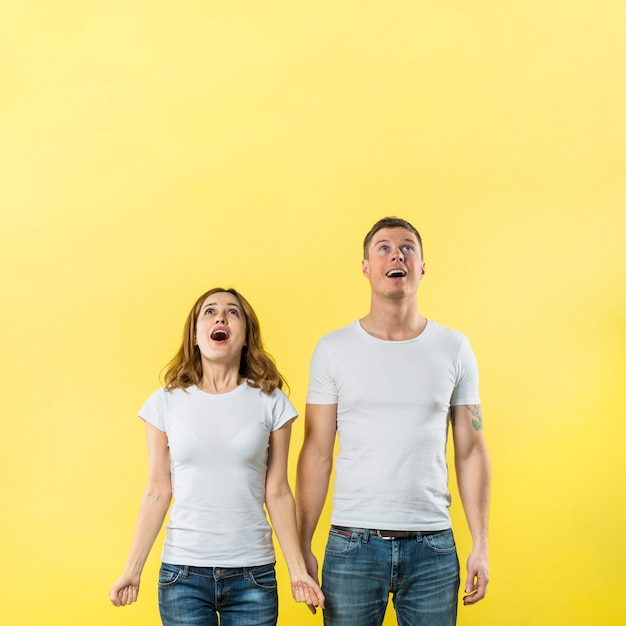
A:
194, 596
360, 571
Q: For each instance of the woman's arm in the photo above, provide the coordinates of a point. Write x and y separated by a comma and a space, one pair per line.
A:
282, 511
152, 510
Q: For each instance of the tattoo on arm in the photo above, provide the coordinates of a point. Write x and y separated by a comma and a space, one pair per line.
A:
477, 422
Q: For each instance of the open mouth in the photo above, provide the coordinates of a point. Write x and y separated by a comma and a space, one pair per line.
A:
397, 273
219, 334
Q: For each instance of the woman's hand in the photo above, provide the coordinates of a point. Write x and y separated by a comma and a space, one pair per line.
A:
305, 589
124, 591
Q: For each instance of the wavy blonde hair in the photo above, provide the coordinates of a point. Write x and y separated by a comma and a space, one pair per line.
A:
256, 366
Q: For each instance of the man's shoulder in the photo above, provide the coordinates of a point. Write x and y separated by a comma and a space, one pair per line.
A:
445, 333
341, 334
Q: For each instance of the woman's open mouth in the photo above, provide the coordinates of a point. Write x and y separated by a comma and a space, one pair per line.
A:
220, 334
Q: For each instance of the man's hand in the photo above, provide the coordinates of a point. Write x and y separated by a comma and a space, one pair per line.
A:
477, 577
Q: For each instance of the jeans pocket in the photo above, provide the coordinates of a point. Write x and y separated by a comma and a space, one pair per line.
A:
264, 577
441, 543
342, 542
169, 575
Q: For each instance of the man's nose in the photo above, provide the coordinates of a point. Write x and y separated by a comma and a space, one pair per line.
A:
398, 254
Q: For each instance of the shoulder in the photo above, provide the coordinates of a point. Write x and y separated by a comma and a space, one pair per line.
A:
157, 397
256, 394
446, 335
278, 407
347, 334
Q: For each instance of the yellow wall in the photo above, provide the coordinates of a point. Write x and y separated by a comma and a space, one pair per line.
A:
149, 150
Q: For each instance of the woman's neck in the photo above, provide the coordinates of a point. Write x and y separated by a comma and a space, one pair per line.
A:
219, 380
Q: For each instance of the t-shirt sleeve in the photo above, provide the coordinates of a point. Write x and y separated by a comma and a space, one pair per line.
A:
153, 411
322, 387
281, 409
466, 388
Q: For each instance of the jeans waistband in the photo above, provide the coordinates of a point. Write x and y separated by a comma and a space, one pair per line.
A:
221, 572
388, 535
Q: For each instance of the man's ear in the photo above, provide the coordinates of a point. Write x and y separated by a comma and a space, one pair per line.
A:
365, 268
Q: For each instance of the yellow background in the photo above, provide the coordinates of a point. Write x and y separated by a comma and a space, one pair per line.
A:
150, 150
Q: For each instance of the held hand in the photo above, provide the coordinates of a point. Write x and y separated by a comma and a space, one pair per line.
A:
124, 591
477, 577
305, 589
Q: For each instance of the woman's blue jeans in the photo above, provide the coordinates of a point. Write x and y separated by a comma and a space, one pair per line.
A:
360, 571
195, 596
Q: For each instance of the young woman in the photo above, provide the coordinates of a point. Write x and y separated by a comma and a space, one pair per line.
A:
218, 438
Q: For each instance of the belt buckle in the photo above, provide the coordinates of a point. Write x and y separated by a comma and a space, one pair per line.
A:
391, 538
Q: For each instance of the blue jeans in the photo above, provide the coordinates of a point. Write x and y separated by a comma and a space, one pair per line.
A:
360, 571
195, 596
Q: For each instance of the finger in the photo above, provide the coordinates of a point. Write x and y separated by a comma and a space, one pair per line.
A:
297, 592
129, 595
309, 597
320, 597
124, 598
476, 592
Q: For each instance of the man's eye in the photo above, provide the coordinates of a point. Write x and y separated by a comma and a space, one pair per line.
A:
407, 249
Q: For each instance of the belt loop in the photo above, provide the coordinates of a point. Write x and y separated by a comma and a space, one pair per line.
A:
366, 535
185, 571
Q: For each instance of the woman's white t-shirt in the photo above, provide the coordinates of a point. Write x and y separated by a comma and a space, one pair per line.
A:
218, 446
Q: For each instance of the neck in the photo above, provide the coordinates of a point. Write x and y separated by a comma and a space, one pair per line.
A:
216, 379
394, 320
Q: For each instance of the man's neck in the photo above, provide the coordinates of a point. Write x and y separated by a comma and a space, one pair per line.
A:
394, 320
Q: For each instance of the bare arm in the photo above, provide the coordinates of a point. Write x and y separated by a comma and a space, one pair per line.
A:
152, 510
282, 511
314, 467
473, 471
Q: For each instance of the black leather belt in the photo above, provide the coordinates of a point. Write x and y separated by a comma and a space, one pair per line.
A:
388, 535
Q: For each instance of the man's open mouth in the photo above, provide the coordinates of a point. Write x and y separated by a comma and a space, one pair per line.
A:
397, 273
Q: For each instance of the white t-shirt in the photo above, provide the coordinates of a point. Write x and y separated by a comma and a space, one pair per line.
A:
393, 400
218, 446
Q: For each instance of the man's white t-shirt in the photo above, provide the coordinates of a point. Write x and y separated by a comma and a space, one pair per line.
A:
218, 446
393, 400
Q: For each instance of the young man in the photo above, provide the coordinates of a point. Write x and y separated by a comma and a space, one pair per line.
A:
390, 384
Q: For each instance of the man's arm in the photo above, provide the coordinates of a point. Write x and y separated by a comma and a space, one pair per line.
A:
473, 471
314, 467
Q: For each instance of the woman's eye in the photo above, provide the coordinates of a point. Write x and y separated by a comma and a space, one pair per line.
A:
208, 311
234, 312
